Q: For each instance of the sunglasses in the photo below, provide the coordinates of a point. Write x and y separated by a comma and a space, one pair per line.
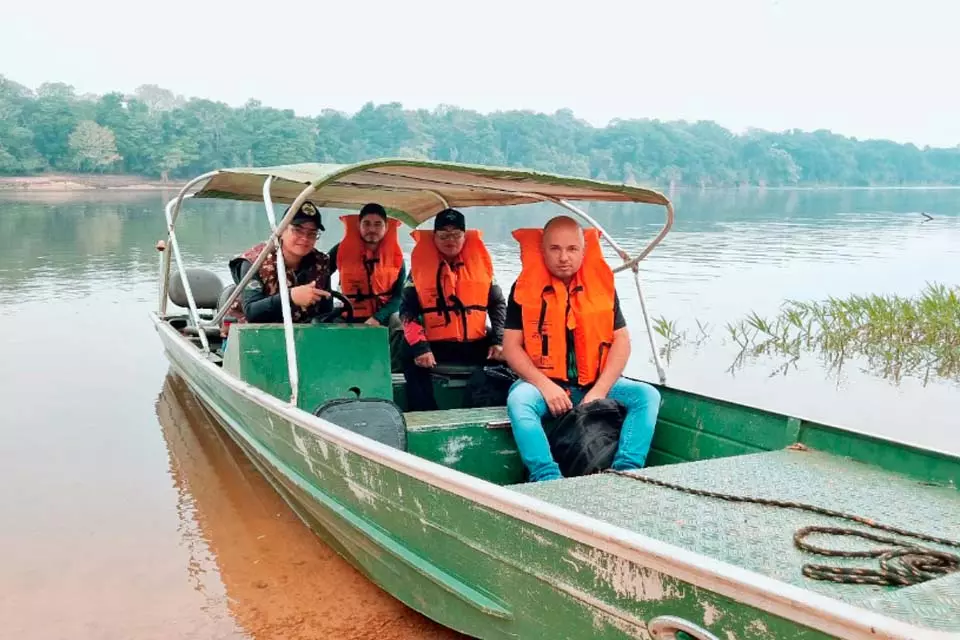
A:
309, 234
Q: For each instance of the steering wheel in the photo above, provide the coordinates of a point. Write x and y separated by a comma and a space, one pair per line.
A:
345, 310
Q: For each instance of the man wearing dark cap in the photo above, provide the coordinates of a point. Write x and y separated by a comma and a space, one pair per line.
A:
308, 274
446, 305
370, 262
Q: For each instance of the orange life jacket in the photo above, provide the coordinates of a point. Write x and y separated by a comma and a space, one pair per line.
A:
550, 308
453, 300
367, 278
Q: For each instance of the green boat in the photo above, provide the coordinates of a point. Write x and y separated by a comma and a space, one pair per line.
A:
703, 543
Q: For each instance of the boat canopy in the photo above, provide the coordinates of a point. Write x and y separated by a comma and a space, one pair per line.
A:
411, 190
415, 190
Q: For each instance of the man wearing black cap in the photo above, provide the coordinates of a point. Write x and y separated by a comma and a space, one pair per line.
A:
371, 266
446, 304
308, 274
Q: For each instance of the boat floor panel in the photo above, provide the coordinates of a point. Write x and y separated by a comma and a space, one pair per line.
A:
760, 538
939, 601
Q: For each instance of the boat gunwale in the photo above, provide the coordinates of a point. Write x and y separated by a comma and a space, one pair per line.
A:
770, 595
816, 424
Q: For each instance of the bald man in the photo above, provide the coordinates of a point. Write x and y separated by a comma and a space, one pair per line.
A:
566, 338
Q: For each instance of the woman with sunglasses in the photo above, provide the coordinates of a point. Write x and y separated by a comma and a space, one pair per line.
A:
308, 275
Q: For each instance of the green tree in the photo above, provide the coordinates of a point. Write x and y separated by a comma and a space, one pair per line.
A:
94, 148
18, 154
159, 133
52, 117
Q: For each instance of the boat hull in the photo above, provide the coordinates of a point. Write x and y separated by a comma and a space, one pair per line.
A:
486, 561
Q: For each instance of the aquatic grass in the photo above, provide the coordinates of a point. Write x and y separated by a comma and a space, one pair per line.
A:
673, 337
896, 336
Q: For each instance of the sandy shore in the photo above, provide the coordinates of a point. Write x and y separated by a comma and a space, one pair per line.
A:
52, 182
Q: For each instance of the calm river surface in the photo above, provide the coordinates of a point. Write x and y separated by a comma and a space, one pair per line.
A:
126, 514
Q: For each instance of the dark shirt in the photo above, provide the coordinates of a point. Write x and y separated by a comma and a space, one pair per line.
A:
514, 321
411, 311
396, 292
259, 307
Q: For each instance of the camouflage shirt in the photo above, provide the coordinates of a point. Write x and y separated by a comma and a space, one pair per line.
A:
260, 299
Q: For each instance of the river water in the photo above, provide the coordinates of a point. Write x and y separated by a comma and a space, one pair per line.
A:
127, 514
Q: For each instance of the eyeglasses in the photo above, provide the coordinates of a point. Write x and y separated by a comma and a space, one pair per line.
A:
445, 236
309, 234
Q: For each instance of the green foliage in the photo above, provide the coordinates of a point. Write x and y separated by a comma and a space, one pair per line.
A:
896, 336
160, 134
93, 148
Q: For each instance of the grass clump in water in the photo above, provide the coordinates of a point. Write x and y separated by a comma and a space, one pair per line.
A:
898, 336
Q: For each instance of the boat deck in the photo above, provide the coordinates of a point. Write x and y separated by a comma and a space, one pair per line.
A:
760, 538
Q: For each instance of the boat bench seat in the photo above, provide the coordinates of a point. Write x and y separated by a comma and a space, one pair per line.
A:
760, 538
476, 441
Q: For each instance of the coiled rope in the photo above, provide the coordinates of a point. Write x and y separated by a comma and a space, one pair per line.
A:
901, 564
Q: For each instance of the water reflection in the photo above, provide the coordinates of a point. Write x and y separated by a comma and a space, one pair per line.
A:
95, 523
280, 582
730, 253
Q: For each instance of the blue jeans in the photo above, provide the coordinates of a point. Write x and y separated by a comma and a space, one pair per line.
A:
526, 408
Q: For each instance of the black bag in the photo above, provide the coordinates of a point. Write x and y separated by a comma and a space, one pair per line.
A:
377, 419
585, 439
488, 387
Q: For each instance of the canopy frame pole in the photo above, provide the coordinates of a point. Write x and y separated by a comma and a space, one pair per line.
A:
292, 366
661, 372
191, 302
633, 265
272, 241
172, 212
596, 225
443, 201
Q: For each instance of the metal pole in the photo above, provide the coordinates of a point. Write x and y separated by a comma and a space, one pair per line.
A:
272, 242
292, 367
593, 223
161, 249
653, 243
171, 221
191, 303
165, 263
632, 263
443, 201
661, 372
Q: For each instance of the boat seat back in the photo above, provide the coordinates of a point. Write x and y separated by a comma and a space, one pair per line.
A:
374, 418
205, 285
334, 361
227, 291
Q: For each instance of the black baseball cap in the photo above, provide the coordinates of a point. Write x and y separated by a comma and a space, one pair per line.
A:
308, 213
373, 209
449, 218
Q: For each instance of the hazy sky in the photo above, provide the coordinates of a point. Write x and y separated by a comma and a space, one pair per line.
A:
867, 68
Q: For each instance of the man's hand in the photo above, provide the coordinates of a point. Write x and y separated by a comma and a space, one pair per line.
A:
426, 360
307, 294
495, 352
372, 322
594, 394
556, 397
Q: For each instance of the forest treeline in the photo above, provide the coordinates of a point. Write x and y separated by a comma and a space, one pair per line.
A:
154, 132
